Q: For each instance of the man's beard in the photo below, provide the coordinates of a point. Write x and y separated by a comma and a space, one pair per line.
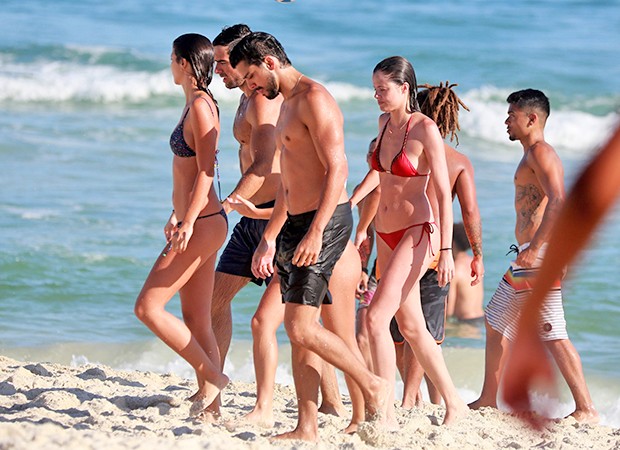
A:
271, 90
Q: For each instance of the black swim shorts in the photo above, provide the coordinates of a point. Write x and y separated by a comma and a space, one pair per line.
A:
236, 259
434, 300
309, 285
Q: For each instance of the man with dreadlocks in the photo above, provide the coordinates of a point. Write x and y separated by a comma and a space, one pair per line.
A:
441, 104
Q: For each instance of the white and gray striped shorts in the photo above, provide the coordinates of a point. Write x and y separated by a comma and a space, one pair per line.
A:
505, 306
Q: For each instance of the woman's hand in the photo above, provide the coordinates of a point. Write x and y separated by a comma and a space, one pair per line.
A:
170, 226
445, 267
180, 238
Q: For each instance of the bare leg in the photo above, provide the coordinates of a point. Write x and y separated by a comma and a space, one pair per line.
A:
428, 353
569, 363
339, 318
225, 288
363, 340
401, 271
306, 373
400, 283
495, 357
331, 400
305, 331
433, 392
268, 317
187, 272
412, 396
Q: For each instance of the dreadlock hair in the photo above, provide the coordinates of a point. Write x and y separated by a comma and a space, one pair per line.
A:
198, 51
441, 104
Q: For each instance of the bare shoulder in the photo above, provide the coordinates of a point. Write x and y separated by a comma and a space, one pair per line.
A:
542, 153
204, 107
260, 109
315, 101
458, 159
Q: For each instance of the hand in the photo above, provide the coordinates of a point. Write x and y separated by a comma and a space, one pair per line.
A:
262, 260
170, 226
445, 268
227, 206
477, 270
362, 286
308, 250
242, 206
361, 236
527, 257
180, 238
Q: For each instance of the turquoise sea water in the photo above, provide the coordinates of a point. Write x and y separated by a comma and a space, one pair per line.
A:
87, 104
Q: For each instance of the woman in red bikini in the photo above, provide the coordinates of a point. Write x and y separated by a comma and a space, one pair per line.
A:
195, 230
409, 154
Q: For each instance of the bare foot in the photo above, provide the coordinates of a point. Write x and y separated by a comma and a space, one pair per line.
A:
481, 403
260, 418
333, 410
206, 395
207, 416
455, 413
351, 428
588, 416
298, 435
376, 403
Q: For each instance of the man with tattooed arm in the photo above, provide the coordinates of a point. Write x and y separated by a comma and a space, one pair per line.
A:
539, 194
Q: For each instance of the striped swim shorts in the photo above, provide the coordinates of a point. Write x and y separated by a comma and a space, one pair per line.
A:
505, 306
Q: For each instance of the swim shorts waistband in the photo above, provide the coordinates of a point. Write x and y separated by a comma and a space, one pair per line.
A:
341, 210
269, 204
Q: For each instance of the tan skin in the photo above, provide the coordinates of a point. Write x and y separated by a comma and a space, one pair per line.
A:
403, 203
592, 196
254, 129
311, 141
187, 263
539, 194
259, 159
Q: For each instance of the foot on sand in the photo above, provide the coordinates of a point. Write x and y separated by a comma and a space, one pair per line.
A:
205, 396
297, 435
588, 416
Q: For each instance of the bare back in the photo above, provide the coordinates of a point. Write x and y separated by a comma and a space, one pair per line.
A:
305, 156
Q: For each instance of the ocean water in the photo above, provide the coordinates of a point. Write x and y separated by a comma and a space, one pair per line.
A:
87, 104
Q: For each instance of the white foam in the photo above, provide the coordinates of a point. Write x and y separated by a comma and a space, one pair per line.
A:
568, 130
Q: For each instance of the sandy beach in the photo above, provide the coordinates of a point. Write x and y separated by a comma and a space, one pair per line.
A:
44, 405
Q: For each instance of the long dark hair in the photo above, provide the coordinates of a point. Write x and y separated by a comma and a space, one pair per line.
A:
198, 51
400, 71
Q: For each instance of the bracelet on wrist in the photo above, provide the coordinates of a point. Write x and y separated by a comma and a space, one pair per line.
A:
444, 249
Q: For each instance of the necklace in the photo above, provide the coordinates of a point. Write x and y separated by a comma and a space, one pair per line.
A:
390, 131
295, 87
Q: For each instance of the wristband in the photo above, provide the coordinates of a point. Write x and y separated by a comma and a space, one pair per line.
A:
447, 248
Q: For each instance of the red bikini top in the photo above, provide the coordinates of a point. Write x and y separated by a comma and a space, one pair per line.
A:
401, 166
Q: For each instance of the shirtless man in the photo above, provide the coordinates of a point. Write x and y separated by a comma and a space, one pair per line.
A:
254, 129
592, 196
254, 197
310, 137
539, 194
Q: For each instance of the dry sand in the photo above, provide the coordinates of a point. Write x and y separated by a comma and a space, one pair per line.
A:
48, 406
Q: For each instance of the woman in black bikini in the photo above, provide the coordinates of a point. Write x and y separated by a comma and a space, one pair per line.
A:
195, 230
